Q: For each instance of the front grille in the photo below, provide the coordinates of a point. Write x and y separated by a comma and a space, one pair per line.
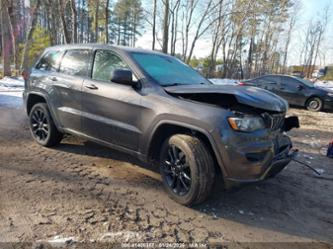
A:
274, 121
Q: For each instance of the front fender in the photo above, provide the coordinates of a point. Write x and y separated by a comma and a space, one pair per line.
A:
209, 134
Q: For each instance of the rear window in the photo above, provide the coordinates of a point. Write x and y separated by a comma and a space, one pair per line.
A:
270, 79
50, 62
76, 62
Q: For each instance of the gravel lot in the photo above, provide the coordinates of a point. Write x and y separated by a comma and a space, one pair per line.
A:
81, 191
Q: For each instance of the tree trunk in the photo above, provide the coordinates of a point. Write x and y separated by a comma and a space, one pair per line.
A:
63, 21
74, 21
25, 60
52, 13
154, 24
107, 17
96, 20
6, 39
166, 27
286, 48
13, 34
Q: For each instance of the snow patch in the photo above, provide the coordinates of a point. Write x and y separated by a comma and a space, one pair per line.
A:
12, 82
59, 241
11, 90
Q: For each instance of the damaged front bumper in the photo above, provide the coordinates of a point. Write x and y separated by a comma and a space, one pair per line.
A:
252, 157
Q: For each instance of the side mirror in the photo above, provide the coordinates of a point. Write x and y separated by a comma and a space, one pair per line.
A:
122, 76
300, 87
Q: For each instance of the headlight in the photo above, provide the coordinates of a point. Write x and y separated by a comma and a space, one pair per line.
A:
330, 94
246, 123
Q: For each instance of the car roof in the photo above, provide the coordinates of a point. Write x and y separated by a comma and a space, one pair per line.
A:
124, 49
276, 75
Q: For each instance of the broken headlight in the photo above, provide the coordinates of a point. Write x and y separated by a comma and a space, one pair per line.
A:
247, 123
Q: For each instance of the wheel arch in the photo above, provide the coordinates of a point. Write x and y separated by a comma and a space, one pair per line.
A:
311, 97
34, 98
37, 97
166, 129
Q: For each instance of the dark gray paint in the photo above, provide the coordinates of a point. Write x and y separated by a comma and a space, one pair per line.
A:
125, 118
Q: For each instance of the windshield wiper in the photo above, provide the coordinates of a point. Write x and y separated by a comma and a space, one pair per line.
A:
173, 84
180, 84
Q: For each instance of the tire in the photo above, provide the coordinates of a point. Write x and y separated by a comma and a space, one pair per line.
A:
314, 104
42, 127
194, 169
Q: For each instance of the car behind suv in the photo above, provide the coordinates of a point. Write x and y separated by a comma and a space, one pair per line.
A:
296, 91
156, 108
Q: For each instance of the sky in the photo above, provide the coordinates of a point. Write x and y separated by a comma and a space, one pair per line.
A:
309, 11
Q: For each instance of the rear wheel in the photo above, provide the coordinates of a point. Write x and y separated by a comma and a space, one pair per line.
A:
187, 169
314, 104
42, 127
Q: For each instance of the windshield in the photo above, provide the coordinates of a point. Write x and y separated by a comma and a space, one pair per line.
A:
306, 82
168, 70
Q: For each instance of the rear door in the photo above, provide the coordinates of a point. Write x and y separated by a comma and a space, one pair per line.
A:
74, 68
270, 83
44, 76
111, 111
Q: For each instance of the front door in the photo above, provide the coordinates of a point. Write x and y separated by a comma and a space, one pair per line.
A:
289, 90
110, 111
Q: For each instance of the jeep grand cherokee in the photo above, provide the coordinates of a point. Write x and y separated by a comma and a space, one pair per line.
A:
158, 109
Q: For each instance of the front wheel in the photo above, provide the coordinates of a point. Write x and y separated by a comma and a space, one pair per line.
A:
42, 127
314, 104
187, 169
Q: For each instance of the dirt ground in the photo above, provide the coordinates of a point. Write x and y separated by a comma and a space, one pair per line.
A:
80, 191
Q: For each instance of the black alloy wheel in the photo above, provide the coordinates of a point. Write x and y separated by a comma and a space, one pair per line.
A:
42, 127
39, 125
187, 169
177, 171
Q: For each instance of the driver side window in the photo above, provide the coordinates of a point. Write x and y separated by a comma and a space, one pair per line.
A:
290, 83
105, 63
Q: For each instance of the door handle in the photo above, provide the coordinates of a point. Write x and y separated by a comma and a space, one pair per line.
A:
91, 87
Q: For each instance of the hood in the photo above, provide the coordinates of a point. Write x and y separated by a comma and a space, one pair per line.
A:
246, 95
325, 87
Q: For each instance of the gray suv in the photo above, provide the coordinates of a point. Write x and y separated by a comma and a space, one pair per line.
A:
158, 109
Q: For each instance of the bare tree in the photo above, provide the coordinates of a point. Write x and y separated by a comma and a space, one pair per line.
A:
312, 44
154, 24
25, 59
174, 26
6, 38
291, 26
166, 26
74, 21
62, 5
96, 20
107, 20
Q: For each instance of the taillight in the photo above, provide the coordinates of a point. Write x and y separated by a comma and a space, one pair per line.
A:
241, 84
25, 75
